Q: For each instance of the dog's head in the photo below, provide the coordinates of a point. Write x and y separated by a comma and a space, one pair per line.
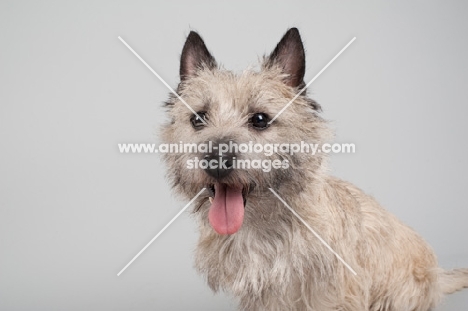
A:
218, 108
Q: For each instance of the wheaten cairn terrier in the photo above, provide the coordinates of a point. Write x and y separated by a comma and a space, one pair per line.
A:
251, 245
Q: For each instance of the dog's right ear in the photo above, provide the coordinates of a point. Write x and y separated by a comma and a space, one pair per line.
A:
195, 56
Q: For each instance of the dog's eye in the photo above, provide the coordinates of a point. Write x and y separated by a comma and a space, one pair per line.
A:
196, 121
259, 121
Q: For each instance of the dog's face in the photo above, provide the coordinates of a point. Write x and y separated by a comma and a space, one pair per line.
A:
237, 109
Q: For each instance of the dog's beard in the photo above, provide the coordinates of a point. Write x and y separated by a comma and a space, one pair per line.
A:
223, 205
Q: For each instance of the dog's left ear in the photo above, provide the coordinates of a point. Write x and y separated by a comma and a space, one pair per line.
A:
195, 56
289, 55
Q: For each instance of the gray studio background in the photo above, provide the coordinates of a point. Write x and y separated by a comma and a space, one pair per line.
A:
74, 211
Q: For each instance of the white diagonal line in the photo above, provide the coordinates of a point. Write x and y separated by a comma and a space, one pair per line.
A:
313, 79
161, 79
160, 232
313, 231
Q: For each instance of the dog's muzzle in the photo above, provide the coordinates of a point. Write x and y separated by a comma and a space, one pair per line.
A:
219, 166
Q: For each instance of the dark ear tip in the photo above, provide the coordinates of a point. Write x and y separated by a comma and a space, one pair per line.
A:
193, 34
194, 37
293, 33
293, 30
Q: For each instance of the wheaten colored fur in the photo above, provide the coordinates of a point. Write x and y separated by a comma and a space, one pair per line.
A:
274, 262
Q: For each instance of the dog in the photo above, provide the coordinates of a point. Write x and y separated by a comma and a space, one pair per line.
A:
251, 245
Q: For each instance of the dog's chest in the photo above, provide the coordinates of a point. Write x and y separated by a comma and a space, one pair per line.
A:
245, 262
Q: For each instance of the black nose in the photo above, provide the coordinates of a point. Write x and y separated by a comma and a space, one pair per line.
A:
219, 166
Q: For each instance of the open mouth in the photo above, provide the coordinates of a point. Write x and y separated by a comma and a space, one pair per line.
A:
227, 207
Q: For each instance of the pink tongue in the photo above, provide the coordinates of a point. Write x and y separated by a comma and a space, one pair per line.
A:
227, 210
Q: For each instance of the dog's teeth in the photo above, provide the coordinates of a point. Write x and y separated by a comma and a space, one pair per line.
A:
211, 199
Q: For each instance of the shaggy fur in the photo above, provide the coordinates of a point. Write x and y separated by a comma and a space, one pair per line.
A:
274, 262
